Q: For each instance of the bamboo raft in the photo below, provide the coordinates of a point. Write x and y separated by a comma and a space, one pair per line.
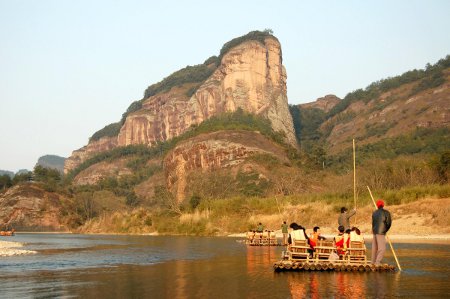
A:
266, 238
286, 265
299, 258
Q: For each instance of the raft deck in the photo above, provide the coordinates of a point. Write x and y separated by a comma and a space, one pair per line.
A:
286, 265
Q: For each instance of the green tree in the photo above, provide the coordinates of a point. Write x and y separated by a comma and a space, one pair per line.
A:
22, 177
443, 167
194, 201
5, 182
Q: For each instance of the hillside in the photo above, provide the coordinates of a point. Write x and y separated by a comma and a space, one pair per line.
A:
408, 114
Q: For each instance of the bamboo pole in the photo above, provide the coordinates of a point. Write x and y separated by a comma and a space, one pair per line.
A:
389, 241
354, 173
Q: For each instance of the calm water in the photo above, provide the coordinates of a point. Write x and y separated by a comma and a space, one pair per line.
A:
74, 266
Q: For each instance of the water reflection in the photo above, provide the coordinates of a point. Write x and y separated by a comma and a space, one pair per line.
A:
186, 267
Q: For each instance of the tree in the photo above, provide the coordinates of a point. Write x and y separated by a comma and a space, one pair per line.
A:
194, 201
22, 177
443, 167
86, 207
5, 182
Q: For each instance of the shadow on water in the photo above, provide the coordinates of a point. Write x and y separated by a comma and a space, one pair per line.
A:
194, 267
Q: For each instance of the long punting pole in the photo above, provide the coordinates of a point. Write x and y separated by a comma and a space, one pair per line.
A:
390, 243
354, 175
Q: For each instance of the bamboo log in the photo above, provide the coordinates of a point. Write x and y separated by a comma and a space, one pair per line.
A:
389, 241
319, 267
306, 266
361, 268
354, 175
312, 267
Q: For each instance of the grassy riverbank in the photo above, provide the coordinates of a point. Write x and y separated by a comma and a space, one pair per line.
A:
416, 211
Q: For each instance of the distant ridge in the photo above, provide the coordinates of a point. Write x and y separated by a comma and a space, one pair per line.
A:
52, 161
7, 172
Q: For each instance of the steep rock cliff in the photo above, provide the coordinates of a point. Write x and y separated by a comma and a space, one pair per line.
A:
80, 155
27, 207
250, 76
209, 152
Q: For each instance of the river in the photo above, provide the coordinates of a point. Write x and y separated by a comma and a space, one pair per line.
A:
110, 266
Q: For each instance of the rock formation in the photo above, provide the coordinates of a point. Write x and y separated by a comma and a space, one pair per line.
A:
325, 103
250, 76
209, 152
26, 207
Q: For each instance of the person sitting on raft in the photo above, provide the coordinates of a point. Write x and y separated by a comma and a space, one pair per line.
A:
340, 241
355, 235
297, 234
315, 237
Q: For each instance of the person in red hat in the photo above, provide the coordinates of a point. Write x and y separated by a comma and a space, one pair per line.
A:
381, 223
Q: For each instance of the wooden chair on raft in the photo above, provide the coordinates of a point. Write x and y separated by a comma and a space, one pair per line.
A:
356, 252
265, 238
299, 250
272, 238
257, 239
323, 250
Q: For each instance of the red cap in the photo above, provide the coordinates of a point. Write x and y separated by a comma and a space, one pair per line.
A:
380, 203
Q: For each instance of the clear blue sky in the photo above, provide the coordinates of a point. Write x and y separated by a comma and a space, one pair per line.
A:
68, 68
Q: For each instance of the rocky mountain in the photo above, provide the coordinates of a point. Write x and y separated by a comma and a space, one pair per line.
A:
248, 76
27, 207
52, 161
224, 128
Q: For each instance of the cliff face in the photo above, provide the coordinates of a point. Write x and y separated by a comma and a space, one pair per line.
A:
27, 207
209, 152
80, 155
251, 77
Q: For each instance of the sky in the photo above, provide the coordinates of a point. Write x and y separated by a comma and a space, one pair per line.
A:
69, 68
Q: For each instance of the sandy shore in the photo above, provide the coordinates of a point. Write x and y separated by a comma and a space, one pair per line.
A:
8, 248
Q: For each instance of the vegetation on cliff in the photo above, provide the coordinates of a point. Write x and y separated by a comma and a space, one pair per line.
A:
430, 77
238, 120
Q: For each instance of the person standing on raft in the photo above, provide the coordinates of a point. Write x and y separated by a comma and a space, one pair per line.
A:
381, 222
344, 218
285, 232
